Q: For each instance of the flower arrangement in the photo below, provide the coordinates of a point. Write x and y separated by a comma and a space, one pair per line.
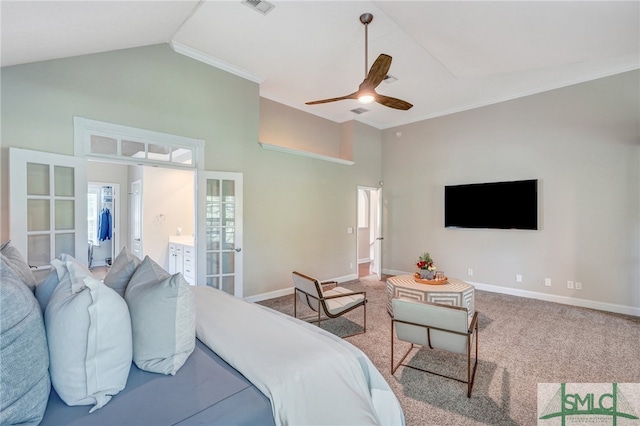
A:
425, 262
426, 266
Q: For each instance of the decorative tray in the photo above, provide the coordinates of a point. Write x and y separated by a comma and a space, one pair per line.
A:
416, 278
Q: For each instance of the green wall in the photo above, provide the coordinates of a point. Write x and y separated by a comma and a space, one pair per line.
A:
296, 209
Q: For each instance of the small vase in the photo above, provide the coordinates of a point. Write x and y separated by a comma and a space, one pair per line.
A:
426, 274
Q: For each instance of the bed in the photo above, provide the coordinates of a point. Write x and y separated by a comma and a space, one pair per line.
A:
247, 365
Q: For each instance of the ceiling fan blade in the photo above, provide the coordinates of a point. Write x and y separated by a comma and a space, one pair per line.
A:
324, 101
393, 102
378, 71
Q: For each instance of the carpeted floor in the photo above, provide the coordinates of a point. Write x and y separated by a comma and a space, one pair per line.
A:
522, 342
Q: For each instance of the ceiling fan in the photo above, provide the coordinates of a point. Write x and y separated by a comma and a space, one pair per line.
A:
366, 92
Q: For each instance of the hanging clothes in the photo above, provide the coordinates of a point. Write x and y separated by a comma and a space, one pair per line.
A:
105, 225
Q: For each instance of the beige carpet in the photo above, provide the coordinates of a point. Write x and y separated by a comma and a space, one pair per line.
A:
522, 342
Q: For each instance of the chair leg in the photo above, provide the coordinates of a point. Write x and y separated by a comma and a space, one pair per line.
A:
395, 367
471, 375
365, 316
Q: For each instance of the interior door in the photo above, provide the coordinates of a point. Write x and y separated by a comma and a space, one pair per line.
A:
48, 205
377, 247
219, 230
135, 218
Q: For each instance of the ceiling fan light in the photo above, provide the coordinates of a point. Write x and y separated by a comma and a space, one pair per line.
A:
366, 98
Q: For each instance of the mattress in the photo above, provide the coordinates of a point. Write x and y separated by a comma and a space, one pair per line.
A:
206, 390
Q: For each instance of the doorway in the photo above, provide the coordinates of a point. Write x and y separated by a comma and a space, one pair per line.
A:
369, 232
103, 223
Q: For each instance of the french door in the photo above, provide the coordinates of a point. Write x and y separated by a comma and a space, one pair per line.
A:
219, 231
48, 205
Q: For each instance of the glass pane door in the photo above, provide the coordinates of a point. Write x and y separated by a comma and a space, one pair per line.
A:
220, 231
48, 195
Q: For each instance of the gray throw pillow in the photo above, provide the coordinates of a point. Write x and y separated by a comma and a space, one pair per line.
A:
163, 318
24, 358
89, 334
16, 262
121, 271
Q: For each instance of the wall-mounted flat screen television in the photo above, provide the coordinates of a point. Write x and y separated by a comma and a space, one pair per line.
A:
494, 205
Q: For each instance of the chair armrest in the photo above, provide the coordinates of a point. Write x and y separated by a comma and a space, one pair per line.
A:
474, 322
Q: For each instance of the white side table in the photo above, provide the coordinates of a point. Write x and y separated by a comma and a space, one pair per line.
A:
455, 292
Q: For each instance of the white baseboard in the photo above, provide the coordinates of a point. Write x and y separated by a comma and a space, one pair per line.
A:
572, 301
270, 295
289, 290
364, 260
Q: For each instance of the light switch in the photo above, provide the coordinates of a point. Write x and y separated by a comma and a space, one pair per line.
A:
350, 230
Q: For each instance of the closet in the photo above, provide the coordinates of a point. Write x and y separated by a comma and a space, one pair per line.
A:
101, 205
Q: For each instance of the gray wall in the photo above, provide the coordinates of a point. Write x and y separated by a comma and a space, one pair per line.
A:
297, 209
583, 144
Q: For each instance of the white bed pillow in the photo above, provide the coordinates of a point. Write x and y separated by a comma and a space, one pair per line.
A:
121, 271
163, 318
89, 334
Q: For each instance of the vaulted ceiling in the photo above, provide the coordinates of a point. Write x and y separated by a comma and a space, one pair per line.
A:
447, 56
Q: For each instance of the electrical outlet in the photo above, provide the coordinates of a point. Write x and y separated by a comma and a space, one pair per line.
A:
518, 278
578, 286
570, 284
470, 271
351, 266
547, 282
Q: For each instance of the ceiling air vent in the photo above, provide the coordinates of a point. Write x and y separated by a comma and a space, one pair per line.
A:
261, 6
359, 111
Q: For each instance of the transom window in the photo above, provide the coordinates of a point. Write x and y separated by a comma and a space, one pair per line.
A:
104, 140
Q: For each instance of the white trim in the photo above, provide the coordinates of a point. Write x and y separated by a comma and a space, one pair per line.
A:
270, 295
83, 128
364, 260
289, 290
464, 107
214, 62
305, 154
534, 91
564, 300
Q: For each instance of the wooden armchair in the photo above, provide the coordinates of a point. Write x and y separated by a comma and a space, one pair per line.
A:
332, 302
437, 326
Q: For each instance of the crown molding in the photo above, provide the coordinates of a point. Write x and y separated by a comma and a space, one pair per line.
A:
214, 62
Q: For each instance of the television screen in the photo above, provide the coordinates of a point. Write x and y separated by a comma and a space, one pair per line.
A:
496, 205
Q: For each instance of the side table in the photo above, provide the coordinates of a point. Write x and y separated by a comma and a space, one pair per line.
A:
455, 292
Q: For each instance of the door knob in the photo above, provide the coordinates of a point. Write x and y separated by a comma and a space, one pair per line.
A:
238, 249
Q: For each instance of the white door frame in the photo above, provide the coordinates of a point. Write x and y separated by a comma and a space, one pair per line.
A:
375, 223
135, 210
115, 214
